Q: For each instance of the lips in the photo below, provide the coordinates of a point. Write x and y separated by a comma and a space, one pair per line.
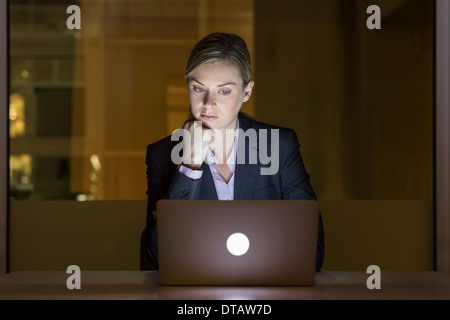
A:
208, 117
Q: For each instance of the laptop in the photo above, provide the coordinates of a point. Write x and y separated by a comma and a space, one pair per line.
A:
238, 242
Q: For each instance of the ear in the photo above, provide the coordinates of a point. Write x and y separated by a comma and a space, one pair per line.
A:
248, 91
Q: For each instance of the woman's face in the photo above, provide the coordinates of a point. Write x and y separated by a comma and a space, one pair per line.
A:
216, 94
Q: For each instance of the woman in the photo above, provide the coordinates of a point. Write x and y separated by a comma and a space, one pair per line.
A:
216, 162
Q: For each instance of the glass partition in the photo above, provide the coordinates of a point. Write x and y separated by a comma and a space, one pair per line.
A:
85, 103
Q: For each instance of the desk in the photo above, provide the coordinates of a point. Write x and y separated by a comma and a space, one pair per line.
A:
136, 285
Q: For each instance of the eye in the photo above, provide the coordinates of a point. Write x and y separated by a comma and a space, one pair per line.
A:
225, 92
197, 89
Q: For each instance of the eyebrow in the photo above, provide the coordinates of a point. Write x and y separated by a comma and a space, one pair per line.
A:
220, 85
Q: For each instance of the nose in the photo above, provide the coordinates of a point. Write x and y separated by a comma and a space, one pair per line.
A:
209, 100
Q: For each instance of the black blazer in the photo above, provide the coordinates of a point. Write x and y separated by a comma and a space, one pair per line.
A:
289, 182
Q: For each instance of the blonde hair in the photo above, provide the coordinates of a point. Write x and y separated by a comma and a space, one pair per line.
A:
220, 46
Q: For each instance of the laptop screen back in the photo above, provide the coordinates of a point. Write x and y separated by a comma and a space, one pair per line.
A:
240, 242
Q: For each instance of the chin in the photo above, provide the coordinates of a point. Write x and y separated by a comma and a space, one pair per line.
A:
210, 125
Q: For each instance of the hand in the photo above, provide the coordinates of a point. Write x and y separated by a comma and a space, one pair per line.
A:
196, 141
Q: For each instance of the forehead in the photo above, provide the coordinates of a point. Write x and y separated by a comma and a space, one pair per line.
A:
219, 71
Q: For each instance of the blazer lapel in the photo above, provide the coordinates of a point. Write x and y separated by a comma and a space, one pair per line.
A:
245, 173
207, 188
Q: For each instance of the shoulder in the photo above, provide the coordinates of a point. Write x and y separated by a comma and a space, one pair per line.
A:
160, 145
284, 133
160, 149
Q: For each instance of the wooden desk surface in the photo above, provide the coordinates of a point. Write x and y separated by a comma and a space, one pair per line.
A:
124, 285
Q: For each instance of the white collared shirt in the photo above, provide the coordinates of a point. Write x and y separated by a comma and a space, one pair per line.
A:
225, 191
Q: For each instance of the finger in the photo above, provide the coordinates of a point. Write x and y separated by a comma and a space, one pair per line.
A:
188, 124
208, 135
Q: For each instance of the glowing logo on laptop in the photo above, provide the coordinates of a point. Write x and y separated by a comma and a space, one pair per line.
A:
238, 244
